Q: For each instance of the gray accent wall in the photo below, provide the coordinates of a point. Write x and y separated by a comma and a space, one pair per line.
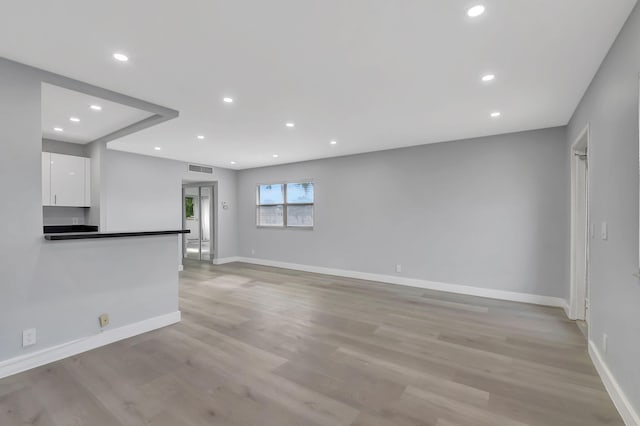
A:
489, 212
610, 107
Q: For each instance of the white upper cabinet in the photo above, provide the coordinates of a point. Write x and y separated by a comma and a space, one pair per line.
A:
66, 180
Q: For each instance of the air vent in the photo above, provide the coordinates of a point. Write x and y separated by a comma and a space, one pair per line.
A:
200, 169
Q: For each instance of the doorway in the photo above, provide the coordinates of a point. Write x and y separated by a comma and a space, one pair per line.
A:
580, 226
197, 217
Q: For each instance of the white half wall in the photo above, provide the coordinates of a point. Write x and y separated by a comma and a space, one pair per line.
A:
61, 287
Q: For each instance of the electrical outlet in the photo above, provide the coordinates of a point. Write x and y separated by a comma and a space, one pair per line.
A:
398, 268
104, 320
75, 221
605, 342
253, 251
604, 232
29, 337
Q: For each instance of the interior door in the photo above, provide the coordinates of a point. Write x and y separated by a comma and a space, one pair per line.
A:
198, 214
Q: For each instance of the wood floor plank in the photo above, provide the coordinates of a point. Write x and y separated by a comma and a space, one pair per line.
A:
267, 346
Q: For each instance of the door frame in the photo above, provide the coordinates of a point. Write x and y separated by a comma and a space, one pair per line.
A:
578, 290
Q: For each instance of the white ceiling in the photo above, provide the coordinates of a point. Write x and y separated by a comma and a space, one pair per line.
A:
372, 74
59, 105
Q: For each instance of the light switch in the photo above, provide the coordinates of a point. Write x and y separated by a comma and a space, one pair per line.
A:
604, 233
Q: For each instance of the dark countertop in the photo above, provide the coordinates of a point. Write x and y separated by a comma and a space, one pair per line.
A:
58, 229
93, 235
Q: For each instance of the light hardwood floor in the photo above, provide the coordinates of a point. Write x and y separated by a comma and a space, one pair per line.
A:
265, 346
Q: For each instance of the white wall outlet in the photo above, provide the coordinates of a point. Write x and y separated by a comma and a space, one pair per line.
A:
398, 268
604, 232
75, 221
28, 337
180, 268
605, 342
253, 251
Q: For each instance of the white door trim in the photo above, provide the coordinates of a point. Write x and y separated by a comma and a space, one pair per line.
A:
577, 297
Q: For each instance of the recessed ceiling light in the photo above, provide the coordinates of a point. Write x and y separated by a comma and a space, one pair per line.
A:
157, 148
74, 119
96, 107
58, 129
333, 142
488, 77
496, 114
290, 124
476, 11
228, 100
120, 57
275, 155
232, 162
200, 137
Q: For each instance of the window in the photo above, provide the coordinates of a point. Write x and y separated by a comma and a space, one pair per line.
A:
285, 205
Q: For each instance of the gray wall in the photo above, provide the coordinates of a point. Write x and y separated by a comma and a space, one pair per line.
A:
96, 153
610, 106
56, 215
66, 148
60, 288
489, 212
139, 193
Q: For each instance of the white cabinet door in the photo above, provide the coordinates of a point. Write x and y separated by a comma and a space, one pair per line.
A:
46, 179
67, 180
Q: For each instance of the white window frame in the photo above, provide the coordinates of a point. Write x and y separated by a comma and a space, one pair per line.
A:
285, 223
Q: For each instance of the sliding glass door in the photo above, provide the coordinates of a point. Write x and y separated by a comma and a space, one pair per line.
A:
197, 211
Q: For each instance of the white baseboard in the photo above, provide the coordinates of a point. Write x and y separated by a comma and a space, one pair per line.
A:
56, 353
567, 309
413, 282
620, 400
223, 260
